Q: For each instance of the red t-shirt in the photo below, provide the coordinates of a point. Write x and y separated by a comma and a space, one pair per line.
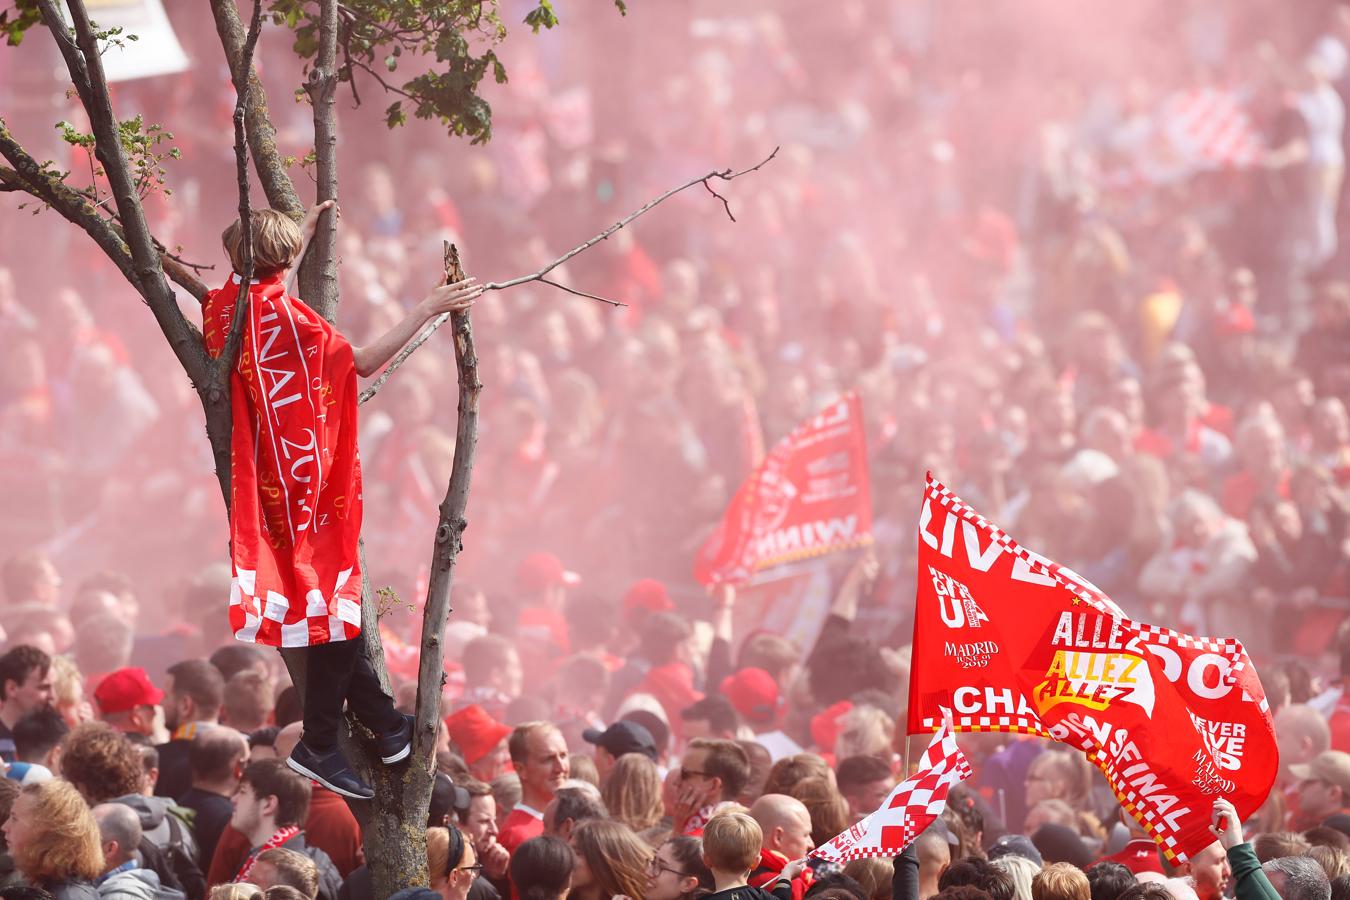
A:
522, 824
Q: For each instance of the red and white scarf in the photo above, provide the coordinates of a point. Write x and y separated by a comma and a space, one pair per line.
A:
295, 472
276, 840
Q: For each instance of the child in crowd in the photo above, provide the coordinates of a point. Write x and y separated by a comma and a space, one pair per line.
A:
731, 848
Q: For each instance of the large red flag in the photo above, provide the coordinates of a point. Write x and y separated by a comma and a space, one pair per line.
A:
809, 497
1010, 641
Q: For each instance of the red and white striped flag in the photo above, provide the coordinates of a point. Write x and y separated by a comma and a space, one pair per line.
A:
1212, 129
909, 809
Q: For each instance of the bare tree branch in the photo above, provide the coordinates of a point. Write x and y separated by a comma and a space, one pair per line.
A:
181, 273
723, 175
29, 176
562, 287
75, 207
81, 54
449, 530
220, 373
318, 271
262, 135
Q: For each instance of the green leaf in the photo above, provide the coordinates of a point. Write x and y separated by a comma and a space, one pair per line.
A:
394, 115
541, 17
622, 7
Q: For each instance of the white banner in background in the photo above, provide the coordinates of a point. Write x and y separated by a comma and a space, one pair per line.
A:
155, 51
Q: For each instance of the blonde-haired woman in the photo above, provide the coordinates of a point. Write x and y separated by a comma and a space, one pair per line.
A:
451, 862
68, 692
610, 861
632, 793
54, 840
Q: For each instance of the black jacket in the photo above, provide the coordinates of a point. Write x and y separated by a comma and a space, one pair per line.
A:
782, 891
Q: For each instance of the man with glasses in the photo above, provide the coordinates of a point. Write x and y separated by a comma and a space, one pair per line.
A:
712, 773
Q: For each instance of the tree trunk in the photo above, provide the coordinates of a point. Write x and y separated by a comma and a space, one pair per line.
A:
318, 271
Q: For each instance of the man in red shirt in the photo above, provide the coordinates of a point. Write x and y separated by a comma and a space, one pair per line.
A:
539, 755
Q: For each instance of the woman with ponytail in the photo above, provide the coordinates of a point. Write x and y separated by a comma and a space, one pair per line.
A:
451, 862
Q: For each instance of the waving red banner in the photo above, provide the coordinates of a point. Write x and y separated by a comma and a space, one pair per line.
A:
809, 497
295, 476
1007, 640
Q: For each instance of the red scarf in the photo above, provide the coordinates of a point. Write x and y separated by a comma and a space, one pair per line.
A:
272, 843
295, 472
771, 864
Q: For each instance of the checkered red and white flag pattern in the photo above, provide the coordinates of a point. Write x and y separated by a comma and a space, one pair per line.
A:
909, 809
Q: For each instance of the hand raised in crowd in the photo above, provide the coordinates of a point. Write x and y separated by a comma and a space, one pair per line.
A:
687, 802
1226, 824
453, 297
495, 858
793, 869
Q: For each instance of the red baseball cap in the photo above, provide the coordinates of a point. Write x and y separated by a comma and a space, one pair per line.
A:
825, 726
539, 571
754, 693
648, 595
124, 690
475, 732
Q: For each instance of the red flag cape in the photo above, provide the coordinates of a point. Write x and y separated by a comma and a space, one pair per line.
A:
295, 498
1010, 641
809, 497
908, 810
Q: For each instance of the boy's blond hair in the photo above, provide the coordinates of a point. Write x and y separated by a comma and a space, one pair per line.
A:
276, 242
732, 841
1060, 881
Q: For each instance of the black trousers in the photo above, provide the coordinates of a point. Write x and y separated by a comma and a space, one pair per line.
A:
340, 672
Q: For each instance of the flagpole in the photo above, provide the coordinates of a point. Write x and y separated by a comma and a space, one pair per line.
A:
904, 771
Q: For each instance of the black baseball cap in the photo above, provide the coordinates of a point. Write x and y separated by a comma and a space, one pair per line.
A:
623, 737
1016, 845
446, 797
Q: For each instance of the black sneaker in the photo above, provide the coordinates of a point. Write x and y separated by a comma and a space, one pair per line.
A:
330, 770
395, 746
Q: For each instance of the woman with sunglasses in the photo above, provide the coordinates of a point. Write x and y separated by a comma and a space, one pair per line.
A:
677, 871
451, 862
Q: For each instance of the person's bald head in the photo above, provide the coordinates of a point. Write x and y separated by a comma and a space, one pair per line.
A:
1301, 733
786, 824
119, 831
935, 855
286, 740
217, 757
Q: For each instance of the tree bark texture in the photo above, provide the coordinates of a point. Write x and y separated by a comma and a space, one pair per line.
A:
318, 272
262, 135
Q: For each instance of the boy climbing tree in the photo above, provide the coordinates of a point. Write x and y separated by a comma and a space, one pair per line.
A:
296, 485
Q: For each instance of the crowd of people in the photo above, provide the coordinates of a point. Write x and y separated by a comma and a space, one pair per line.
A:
1082, 264
716, 803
